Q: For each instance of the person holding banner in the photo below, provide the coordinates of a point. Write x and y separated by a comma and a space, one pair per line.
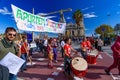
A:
7, 45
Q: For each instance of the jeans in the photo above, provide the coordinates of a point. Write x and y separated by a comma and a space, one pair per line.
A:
12, 77
55, 53
24, 57
67, 61
62, 50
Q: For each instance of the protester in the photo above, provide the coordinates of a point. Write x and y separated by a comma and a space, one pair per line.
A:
116, 56
100, 44
45, 46
50, 53
68, 49
62, 47
24, 52
41, 47
96, 43
54, 45
89, 45
84, 47
7, 45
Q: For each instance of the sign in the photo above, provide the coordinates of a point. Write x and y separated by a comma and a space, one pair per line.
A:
12, 62
33, 45
30, 22
103, 29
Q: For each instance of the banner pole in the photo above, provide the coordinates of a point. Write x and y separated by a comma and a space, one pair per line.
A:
33, 31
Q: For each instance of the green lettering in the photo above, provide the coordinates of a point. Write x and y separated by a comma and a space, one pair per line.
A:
36, 19
31, 18
19, 14
25, 15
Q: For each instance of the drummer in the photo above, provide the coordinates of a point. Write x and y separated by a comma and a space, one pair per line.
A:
85, 45
67, 51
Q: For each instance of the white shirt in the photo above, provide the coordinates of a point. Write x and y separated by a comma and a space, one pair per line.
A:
62, 43
45, 43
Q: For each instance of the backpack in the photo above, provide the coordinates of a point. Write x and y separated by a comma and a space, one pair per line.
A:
4, 73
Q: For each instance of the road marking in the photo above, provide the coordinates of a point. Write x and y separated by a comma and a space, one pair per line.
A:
62, 65
50, 79
41, 59
114, 78
59, 68
29, 64
108, 55
77, 78
19, 78
100, 57
55, 73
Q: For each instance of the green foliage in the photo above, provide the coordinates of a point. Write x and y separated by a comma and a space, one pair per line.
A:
105, 30
77, 16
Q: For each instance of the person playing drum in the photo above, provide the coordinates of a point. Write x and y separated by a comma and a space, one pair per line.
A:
85, 46
67, 51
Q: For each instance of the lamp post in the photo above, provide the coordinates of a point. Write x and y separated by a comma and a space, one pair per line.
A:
108, 18
103, 31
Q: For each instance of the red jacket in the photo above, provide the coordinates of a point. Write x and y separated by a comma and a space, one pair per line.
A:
24, 45
116, 48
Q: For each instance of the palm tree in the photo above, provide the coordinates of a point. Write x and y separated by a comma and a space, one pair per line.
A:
78, 17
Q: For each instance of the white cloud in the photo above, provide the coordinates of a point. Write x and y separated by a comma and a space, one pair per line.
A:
42, 14
87, 8
45, 15
86, 29
68, 18
50, 17
5, 11
90, 15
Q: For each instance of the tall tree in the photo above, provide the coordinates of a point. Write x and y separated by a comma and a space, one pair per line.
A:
78, 16
104, 30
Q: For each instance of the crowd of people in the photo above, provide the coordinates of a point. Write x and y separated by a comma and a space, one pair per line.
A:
49, 47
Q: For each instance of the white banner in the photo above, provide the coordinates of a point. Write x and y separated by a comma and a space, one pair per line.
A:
12, 62
30, 22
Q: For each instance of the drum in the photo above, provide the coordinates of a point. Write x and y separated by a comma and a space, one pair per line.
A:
92, 56
79, 66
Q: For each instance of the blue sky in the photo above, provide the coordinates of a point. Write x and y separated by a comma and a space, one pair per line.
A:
95, 11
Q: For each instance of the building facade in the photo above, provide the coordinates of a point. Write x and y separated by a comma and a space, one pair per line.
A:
72, 30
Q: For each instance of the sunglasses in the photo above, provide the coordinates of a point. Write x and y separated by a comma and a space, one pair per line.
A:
12, 34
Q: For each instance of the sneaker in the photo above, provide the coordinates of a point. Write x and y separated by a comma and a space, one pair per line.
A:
107, 72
